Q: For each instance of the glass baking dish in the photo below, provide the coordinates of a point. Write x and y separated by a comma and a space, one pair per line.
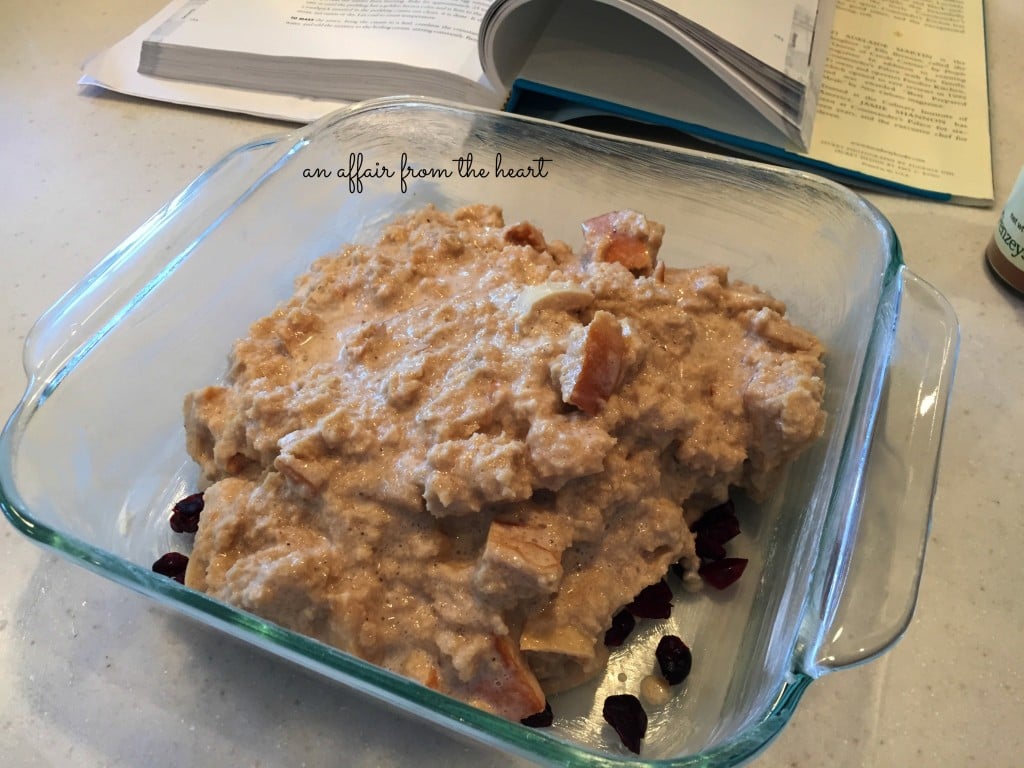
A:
93, 457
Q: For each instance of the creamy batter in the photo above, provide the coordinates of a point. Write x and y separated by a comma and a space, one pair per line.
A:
457, 453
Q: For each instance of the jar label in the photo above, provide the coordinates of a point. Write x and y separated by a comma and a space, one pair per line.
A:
1009, 234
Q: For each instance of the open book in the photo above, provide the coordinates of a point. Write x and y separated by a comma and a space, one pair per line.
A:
739, 65
760, 51
864, 90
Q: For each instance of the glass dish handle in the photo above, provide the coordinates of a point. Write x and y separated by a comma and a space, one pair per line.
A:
880, 590
81, 317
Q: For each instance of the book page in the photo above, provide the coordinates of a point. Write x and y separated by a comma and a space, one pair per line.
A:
435, 34
905, 95
776, 32
116, 69
626, 63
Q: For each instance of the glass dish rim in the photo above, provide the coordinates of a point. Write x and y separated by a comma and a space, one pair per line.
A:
346, 668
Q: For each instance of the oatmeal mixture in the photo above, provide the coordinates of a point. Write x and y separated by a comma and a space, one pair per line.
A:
459, 452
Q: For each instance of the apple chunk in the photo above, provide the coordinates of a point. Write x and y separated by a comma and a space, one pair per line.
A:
624, 237
593, 363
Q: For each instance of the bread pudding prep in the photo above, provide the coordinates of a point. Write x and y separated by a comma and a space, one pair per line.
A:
459, 452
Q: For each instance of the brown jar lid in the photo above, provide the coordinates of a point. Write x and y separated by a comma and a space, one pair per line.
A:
1005, 270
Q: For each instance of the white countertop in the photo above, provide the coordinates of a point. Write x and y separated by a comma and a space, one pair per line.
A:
82, 169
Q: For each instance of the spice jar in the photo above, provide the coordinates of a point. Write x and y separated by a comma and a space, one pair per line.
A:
1005, 251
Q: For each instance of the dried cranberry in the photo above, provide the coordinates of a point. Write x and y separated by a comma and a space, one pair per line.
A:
709, 549
726, 509
721, 573
622, 624
172, 565
626, 715
540, 719
185, 514
718, 524
653, 602
674, 659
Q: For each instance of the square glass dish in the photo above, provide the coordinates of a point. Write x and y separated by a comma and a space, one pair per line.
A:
93, 457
